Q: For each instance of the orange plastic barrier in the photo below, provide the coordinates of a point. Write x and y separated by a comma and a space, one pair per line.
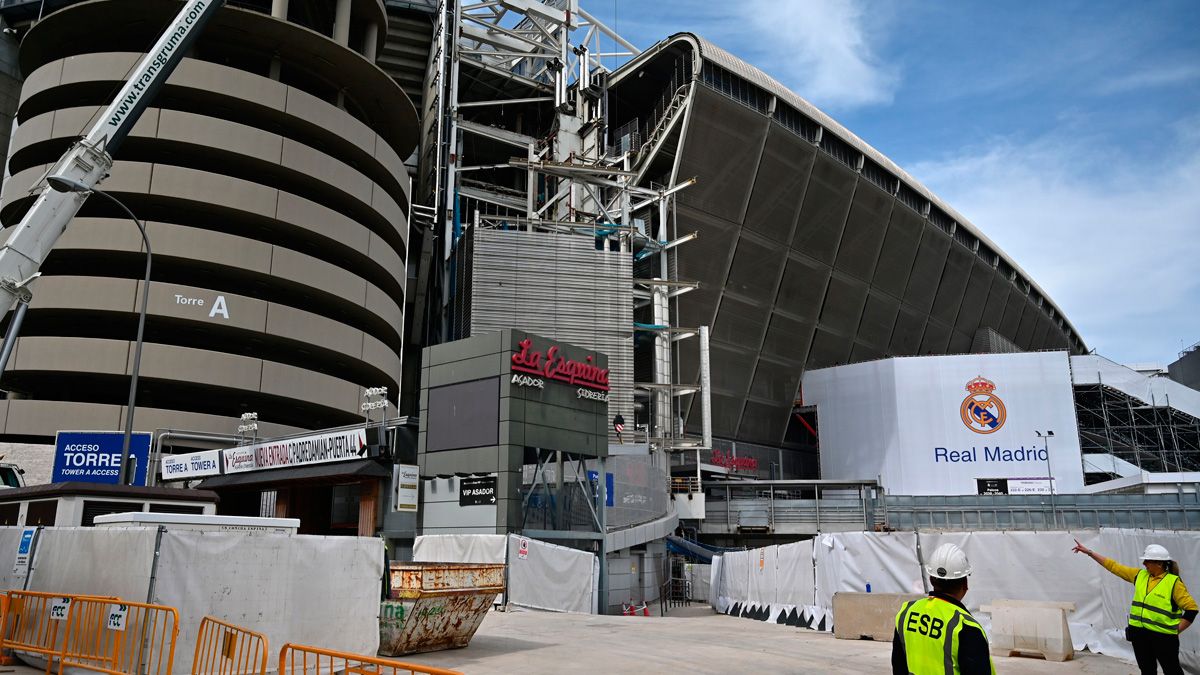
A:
225, 649
6, 658
120, 637
36, 622
300, 660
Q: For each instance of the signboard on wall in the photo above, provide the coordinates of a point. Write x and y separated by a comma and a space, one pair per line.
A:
477, 491
337, 446
594, 477
24, 550
191, 465
406, 485
937, 425
95, 456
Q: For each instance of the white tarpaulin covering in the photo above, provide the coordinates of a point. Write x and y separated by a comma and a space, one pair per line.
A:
699, 577
474, 548
762, 576
547, 576
795, 574
87, 560
1006, 565
913, 424
321, 591
544, 576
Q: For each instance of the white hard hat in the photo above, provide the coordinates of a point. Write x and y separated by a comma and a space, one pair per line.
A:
948, 562
1155, 552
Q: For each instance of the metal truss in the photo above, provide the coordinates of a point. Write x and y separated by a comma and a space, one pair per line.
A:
495, 56
1152, 436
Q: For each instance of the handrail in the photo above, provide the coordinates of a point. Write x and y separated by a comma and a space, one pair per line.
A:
669, 592
664, 120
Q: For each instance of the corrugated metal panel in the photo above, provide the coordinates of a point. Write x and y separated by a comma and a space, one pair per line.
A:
558, 286
711, 52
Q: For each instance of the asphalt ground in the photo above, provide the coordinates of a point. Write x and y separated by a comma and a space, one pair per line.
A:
689, 640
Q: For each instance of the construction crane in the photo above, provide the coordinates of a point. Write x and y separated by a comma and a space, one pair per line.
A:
64, 187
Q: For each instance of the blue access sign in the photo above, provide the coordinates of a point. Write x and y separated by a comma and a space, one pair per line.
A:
95, 456
594, 477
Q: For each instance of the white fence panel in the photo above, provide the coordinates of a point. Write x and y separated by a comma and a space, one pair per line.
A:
548, 576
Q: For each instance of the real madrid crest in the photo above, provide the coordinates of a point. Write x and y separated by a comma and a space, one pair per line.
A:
982, 411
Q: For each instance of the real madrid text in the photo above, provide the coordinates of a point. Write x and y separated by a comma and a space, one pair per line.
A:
990, 454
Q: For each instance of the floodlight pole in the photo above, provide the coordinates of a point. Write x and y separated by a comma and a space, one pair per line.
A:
1049, 473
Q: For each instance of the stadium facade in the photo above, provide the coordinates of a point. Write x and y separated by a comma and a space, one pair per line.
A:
812, 249
271, 172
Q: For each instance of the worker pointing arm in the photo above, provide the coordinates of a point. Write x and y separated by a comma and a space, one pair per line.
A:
1161, 608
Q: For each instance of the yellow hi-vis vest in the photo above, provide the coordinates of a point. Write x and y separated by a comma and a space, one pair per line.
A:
930, 628
1154, 610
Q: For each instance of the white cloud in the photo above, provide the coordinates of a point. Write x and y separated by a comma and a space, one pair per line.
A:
1149, 78
822, 49
1113, 239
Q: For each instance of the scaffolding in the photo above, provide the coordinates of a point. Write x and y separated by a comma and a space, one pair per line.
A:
1152, 436
516, 138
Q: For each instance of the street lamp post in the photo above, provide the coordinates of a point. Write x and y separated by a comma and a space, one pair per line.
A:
62, 184
1049, 474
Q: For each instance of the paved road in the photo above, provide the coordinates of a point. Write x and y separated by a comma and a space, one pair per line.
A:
693, 640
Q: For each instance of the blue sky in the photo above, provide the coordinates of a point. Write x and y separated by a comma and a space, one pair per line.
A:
1068, 132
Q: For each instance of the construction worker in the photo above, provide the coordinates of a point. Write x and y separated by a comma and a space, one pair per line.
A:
937, 634
1161, 609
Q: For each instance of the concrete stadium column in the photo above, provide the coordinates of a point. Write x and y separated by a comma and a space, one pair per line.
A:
279, 9
371, 41
341, 23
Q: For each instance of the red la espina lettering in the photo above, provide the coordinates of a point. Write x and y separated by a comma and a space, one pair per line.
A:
554, 366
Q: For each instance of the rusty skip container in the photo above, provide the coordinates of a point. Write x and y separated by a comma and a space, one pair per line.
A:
434, 606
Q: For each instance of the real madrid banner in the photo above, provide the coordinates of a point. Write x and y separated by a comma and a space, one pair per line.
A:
939, 425
337, 446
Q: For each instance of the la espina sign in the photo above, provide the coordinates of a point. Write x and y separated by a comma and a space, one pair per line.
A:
553, 365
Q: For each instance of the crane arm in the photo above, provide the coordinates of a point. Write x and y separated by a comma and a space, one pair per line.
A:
89, 159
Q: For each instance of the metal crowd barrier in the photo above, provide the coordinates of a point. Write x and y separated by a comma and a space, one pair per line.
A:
302, 660
120, 637
225, 649
35, 621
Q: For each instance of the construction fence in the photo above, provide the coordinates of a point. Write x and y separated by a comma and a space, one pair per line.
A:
794, 584
540, 575
260, 580
114, 636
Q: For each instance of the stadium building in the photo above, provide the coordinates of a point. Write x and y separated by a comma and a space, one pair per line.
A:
428, 197
270, 174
